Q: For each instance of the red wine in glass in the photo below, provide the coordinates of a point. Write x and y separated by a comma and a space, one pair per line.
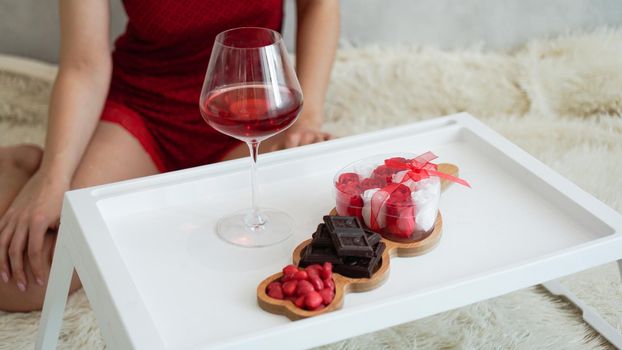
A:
251, 92
253, 112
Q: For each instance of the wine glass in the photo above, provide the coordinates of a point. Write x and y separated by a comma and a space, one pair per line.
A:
251, 92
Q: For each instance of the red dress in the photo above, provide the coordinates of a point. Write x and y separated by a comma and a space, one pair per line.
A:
159, 64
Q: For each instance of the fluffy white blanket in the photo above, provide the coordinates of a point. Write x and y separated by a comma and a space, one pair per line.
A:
560, 99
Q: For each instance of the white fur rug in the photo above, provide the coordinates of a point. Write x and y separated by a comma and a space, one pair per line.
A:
560, 99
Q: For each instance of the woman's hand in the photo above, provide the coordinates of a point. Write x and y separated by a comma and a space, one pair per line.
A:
35, 209
303, 132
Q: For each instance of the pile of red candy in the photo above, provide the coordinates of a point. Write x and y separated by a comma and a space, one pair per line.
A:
311, 288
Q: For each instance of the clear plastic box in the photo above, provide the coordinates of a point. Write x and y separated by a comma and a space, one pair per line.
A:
389, 197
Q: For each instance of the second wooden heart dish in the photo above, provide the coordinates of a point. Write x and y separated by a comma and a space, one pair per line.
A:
345, 284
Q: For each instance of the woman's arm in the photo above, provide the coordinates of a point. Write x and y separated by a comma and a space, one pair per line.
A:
316, 43
77, 98
81, 85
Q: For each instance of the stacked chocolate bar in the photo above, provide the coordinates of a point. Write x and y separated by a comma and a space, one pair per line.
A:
342, 240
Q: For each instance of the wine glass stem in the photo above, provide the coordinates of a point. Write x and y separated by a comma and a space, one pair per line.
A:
255, 220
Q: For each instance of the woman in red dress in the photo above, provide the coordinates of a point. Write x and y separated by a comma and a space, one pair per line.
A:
135, 113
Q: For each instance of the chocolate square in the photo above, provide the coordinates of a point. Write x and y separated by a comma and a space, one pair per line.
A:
358, 267
354, 268
379, 249
377, 259
352, 244
372, 237
321, 237
319, 255
339, 224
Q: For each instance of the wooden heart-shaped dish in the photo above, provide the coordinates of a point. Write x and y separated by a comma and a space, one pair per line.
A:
345, 284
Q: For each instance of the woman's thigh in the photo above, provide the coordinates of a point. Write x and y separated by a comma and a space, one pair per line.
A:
113, 154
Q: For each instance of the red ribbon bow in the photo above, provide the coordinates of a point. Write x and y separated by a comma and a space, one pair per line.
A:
420, 168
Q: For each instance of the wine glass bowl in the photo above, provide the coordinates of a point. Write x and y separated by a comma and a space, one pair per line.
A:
251, 92
251, 112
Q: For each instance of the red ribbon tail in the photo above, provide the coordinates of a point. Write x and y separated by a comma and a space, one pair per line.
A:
377, 200
426, 157
449, 178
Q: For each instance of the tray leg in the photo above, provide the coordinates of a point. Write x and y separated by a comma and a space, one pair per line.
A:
56, 295
591, 316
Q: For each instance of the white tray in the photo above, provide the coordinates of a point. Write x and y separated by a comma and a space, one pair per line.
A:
156, 272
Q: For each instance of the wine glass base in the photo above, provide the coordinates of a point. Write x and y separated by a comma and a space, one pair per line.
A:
278, 226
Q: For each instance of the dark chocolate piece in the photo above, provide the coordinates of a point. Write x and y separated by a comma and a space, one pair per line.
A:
372, 237
319, 255
354, 268
353, 250
342, 224
357, 267
353, 244
379, 249
377, 259
321, 237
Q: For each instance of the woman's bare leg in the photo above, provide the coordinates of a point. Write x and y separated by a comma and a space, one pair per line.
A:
112, 155
17, 164
14, 300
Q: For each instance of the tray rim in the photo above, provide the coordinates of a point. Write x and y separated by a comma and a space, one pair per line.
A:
104, 267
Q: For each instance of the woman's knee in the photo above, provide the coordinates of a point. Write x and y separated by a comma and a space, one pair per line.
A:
26, 157
14, 300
